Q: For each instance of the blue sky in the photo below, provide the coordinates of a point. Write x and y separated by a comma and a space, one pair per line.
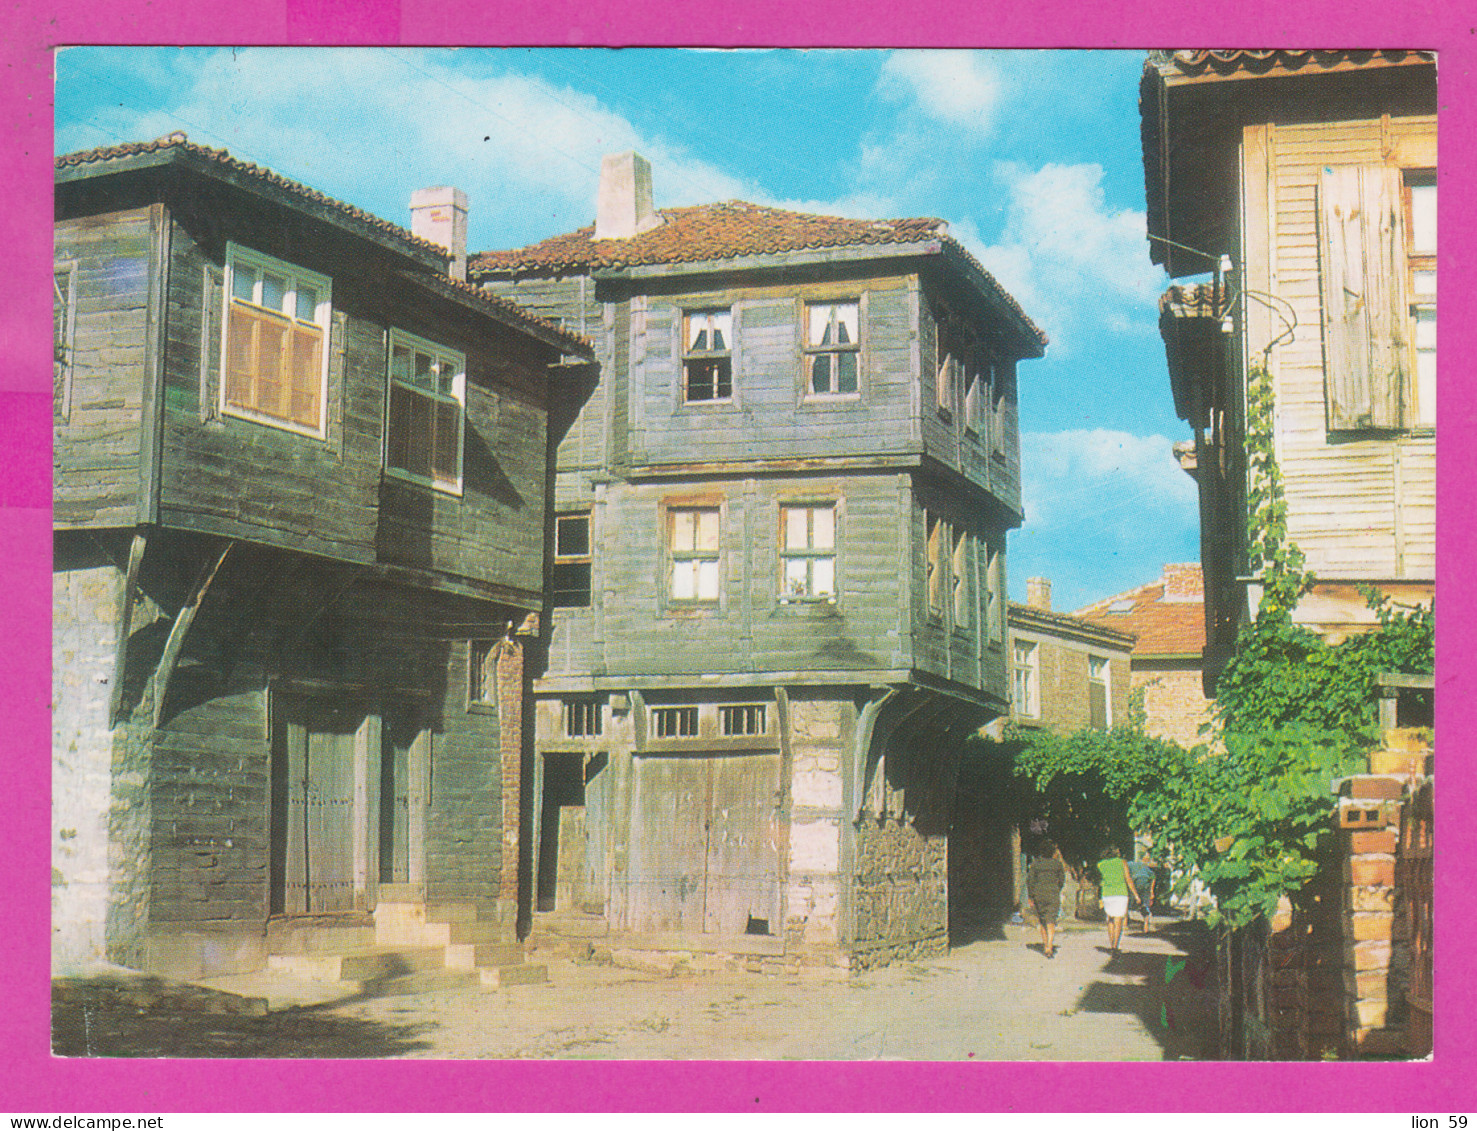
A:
1032, 157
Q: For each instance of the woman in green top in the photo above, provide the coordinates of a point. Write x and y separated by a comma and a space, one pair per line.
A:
1116, 884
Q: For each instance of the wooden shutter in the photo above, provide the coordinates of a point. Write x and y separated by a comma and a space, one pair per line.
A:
1361, 245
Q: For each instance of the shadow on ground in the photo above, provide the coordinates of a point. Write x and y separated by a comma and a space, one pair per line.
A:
96, 1021
1173, 996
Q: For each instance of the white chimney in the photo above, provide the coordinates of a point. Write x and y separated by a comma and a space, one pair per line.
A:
623, 207
439, 215
1038, 593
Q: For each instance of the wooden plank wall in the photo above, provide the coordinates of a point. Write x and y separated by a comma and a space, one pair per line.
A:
96, 452
330, 496
1343, 492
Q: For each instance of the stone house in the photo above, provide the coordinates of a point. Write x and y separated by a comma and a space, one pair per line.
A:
299, 513
1068, 673
778, 573
1166, 617
1300, 188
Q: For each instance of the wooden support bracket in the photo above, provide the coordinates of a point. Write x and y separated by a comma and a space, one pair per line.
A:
125, 625
177, 633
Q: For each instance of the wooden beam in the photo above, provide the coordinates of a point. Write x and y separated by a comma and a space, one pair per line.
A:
182, 621
125, 624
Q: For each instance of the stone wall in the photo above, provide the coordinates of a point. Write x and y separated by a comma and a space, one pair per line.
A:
900, 893
820, 733
1175, 705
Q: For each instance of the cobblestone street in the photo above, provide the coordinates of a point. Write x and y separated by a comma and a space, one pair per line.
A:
997, 999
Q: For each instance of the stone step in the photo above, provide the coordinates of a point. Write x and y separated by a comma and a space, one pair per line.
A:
401, 893
466, 956
310, 936
451, 913
368, 964
523, 974
570, 925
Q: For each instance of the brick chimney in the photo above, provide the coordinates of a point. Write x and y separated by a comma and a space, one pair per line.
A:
1038, 593
439, 215
1183, 582
623, 207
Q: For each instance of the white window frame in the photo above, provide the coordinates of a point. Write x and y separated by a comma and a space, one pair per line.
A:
694, 556
1100, 665
710, 356
563, 557
1420, 264
814, 350
296, 278
1025, 662
810, 553
440, 355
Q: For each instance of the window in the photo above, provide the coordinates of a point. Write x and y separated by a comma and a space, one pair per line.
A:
674, 722
707, 362
482, 672
934, 576
428, 389
63, 334
1420, 250
1377, 247
742, 719
582, 718
275, 364
570, 579
832, 340
1027, 679
692, 535
808, 553
959, 568
1099, 713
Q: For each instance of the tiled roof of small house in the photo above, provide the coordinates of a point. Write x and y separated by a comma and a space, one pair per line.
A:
1164, 627
729, 230
1033, 618
508, 310
1259, 61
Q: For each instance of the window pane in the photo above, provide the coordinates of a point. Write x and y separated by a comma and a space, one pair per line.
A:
846, 315
274, 291
846, 369
307, 303
418, 453
1424, 283
572, 537
707, 530
683, 527
818, 328
707, 580
823, 577
272, 367
824, 529
796, 577
820, 374
722, 323
422, 370
796, 535
1425, 375
683, 576
307, 374
1423, 219
400, 363
240, 356
243, 282
1425, 328
399, 440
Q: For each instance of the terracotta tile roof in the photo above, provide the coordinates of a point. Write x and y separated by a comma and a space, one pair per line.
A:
1163, 628
180, 142
1031, 618
507, 310
1258, 61
729, 230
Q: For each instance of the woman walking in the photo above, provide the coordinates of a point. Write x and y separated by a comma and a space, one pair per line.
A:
1044, 880
1116, 884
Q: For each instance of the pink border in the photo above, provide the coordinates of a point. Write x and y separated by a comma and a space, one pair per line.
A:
31, 1081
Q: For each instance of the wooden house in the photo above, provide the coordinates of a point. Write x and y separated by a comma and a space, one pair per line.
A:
1301, 187
300, 509
778, 572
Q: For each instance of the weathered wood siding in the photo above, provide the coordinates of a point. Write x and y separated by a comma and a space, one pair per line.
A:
96, 453
770, 416
1360, 504
331, 496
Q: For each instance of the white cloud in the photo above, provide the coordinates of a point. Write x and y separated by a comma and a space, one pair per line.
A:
1073, 262
1097, 481
960, 88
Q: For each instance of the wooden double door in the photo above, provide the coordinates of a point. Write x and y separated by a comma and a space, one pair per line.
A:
705, 844
347, 800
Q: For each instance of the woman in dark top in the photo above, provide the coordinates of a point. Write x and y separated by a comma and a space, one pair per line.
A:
1044, 880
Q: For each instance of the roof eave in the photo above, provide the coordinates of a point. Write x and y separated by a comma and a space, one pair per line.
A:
195, 164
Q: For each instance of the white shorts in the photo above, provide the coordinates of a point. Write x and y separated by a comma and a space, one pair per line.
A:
1115, 906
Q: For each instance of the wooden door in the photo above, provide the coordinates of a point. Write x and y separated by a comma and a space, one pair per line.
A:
704, 846
399, 808
313, 769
